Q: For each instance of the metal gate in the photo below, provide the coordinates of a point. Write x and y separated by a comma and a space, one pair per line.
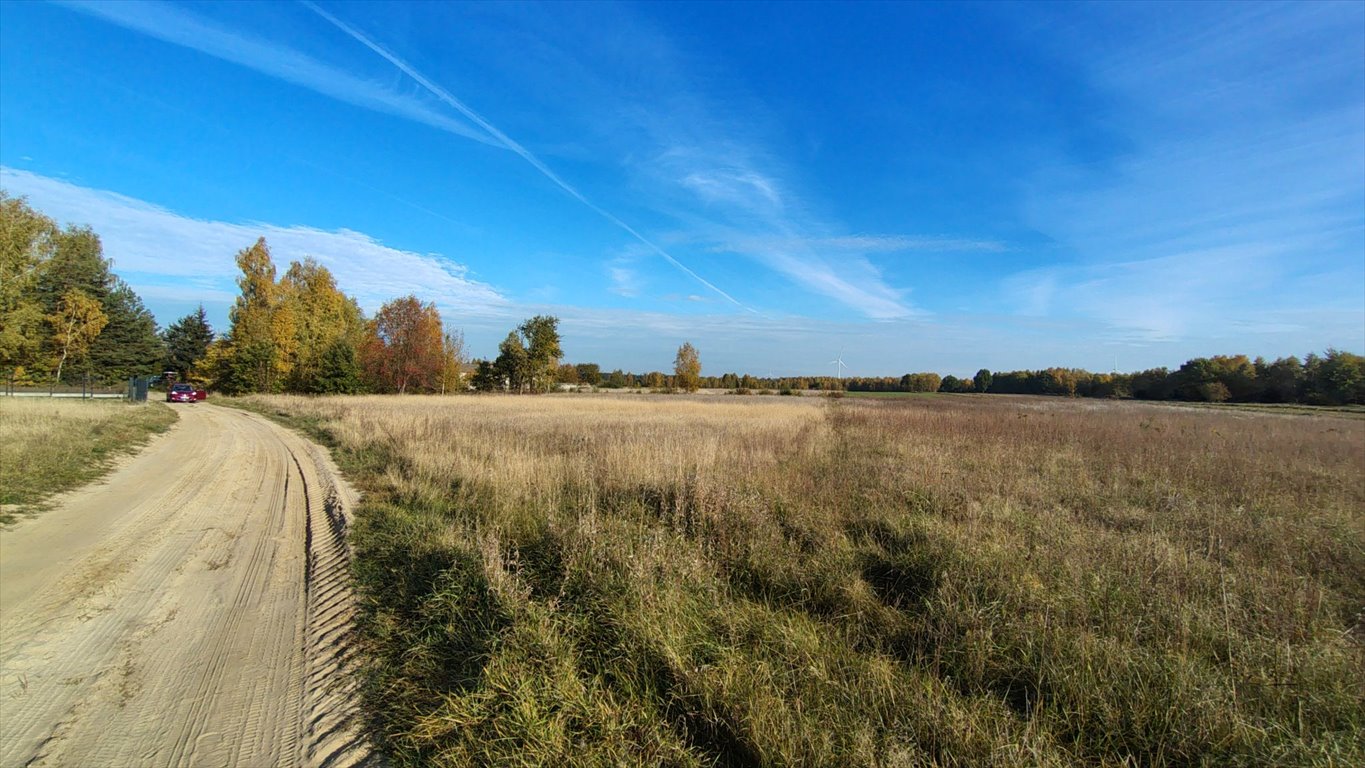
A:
137, 388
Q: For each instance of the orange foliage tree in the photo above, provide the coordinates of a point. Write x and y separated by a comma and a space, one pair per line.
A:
404, 350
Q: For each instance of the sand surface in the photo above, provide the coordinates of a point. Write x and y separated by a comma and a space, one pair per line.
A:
193, 608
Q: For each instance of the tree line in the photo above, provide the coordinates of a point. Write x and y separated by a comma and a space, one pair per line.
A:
1335, 377
1332, 378
300, 333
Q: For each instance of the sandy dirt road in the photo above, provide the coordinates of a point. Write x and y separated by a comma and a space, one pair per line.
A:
191, 609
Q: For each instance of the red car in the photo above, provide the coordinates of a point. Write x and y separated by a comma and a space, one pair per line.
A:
184, 393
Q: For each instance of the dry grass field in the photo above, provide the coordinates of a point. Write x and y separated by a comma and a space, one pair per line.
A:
49, 445
968, 581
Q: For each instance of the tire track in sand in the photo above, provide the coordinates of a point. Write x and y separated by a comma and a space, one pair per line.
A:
193, 609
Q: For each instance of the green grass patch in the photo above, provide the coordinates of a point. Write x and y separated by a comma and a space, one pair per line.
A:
51, 445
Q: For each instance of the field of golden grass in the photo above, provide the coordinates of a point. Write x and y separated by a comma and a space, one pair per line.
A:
50, 445
589, 580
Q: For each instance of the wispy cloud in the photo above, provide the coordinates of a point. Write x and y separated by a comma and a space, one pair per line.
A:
164, 254
1237, 204
745, 189
847, 278
699, 158
179, 27
862, 244
506, 141
732, 195
624, 281
1191, 295
624, 274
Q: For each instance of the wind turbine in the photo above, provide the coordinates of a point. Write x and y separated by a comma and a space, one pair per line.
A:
839, 367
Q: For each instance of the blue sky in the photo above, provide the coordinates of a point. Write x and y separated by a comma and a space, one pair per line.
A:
919, 186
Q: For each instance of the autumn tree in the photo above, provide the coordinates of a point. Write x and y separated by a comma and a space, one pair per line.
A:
687, 368
187, 342
320, 315
405, 348
26, 244
76, 323
567, 374
922, 382
541, 336
260, 340
589, 373
1215, 379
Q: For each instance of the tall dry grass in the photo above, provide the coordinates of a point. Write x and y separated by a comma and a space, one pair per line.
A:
947, 581
50, 445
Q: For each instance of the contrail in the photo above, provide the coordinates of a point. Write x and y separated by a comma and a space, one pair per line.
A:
511, 144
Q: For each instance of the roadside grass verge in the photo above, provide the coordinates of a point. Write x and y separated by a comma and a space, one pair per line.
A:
51, 445
802, 581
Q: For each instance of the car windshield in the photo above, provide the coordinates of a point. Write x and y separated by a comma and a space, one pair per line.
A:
182, 388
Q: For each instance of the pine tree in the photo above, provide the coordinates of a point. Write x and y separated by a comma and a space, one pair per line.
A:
338, 371
187, 342
129, 345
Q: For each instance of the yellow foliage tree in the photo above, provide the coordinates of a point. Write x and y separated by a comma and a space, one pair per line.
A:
78, 320
321, 315
687, 368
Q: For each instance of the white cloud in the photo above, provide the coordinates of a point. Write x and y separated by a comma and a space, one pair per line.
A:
624, 281
160, 252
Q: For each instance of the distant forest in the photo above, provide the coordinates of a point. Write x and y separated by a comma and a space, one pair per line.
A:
1332, 378
66, 317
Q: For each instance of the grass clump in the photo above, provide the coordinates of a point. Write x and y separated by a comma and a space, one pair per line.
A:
800, 581
51, 445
